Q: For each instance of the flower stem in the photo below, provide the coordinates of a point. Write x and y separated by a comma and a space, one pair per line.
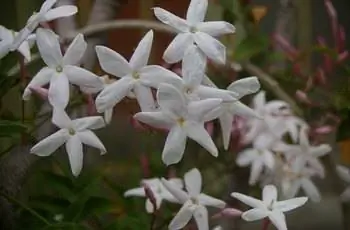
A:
266, 224
23, 76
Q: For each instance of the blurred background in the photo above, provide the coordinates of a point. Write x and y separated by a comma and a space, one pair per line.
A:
301, 44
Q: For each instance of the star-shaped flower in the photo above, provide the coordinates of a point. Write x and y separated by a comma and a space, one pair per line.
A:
159, 191
194, 202
194, 30
135, 76
72, 133
344, 174
269, 206
183, 120
61, 70
6, 41
45, 14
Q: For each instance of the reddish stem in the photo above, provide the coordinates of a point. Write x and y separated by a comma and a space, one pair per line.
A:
23, 81
266, 224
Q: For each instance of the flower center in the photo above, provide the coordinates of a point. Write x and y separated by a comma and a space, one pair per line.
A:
270, 207
136, 75
59, 69
193, 29
194, 200
71, 131
181, 121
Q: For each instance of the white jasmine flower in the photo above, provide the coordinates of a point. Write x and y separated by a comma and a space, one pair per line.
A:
45, 14
158, 189
344, 174
194, 202
194, 30
183, 120
73, 134
61, 70
269, 206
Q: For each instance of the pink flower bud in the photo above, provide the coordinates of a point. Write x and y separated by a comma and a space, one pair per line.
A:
40, 91
320, 77
341, 39
209, 126
326, 129
150, 196
327, 61
91, 108
302, 97
291, 51
228, 212
342, 56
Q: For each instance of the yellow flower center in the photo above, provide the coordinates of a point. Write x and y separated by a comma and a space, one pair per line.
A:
71, 131
136, 75
59, 69
181, 121
193, 30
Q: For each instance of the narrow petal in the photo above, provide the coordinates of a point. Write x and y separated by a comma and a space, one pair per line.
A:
74, 149
321, 150
246, 157
49, 47
311, 190
240, 109
92, 122
182, 217
210, 201
135, 192
75, 51
112, 62
22, 36
245, 86
193, 182
226, 121
108, 115
177, 192
82, 77
60, 12
196, 11
259, 101
255, 172
59, 91
4, 50
288, 205
170, 99
5, 34
24, 49
89, 138
50, 144
47, 5
154, 75
170, 19
304, 138
141, 54
205, 92
344, 173
176, 49
193, 66
149, 205
252, 202
213, 48
155, 119
201, 217
269, 194
174, 146
144, 98
199, 109
216, 28
268, 159
254, 214
113, 94
278, 219
197, 132
42, 78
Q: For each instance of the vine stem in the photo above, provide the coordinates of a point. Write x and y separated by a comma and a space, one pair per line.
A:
266, 224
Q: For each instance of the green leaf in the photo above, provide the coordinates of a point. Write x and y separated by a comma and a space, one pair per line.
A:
49, 204
96, 206
59, 184
250, 47
10, 128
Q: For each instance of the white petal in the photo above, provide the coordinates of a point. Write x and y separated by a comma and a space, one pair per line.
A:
321, 150
182, 217
213, 48
199, 109
210, 92
193, 66
197, 132
108, 115
113, 93
61, 119
193, 182
59, 12
345, 196
226, 121
201, 217
176, 49
92, 122
255, 171
240, 109
47, 5
196, 11
22, 36
287, 205
245, 157
50, 144
292, 190
75, 51
259, 101
170, 19
135, 192
89, 138
59, 91
303, 137
112, 62
252, 202
254, 214
49, 47
144, 98
344, 173
74, 149
278, 219
141, 54
155, 119
42, 78
5, 34
311, 190
170, 99
4, 50
24, 49
268, 159
210, 201
154, 75
269, 194
216, 28
82, 77
177, 192
245, 86
174, 146
149, 205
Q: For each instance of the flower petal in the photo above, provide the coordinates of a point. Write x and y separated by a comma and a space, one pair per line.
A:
59, 91
201, 217
311, 190
141, 54
196, 11
82, 77
246, 157
89, 138
112, 62
213, 48
108, 115
193, 182
149, 205
197, 132
210, 201
321, 150
259, 101
170, 19
205, 92
240, 109
245, 86
49, 47
254, 214
135, 192
288, 205
47, 5
75, 51
278, 219
60, 12
176, 49
170, 99
174, 146
226, 120
154, 75
50, 144
252, 202
92, 122
176, 191
193, 66
255, 171
113, 94
144, 98
344, 173
42, 78
155, 119
182, 217
24, 49
74, 149
216, 28
269, 194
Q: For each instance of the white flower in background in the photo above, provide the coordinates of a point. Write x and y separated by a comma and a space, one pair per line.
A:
269, 206
183, 120
344, 174
6, 40
158, 189
258, 157
61, 70
45, 14
217, 228
194, 202
73, 134
133, 76
194, 30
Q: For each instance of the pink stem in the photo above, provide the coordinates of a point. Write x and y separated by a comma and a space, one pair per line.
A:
266, 224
